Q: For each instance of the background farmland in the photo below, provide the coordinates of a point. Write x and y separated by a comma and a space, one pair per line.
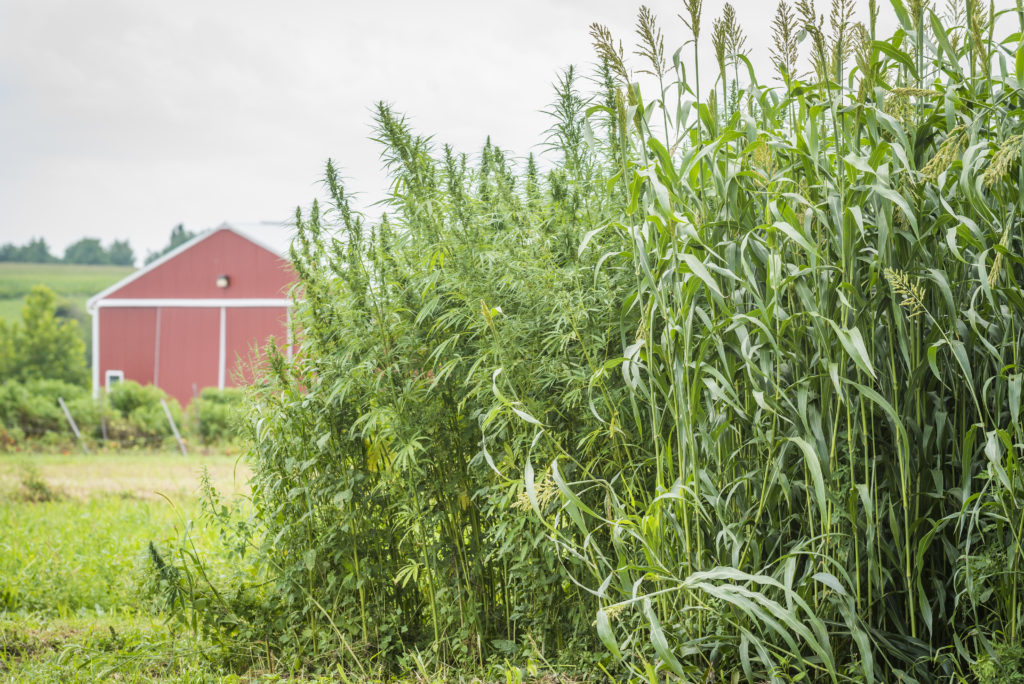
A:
73, 284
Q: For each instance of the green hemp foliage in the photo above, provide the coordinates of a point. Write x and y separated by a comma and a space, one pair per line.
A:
730, 393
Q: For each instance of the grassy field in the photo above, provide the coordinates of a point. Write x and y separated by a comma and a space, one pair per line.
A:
73, 283
69, 280
73, 564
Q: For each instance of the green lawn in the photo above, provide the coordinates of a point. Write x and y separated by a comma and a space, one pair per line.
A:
74, 564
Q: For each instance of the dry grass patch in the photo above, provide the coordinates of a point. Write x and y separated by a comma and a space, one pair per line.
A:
142, 475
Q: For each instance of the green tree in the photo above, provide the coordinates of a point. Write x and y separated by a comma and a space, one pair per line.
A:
7, 349
36, 251
121, 254
42, 345
86, 251
179, 236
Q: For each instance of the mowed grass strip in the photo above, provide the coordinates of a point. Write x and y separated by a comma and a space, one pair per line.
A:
138, 474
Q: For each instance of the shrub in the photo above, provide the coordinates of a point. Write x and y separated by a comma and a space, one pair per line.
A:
125, 397
11, 438
149, 422
133, 413
32, 406
374, 482
137, 416
218, 413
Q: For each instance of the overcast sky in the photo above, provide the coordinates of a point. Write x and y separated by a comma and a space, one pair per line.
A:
122, 118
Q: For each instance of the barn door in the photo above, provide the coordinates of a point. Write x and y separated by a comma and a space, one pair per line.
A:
189, 342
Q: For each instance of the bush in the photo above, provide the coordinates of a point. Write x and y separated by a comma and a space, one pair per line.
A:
218, 413
42, 345
32, 407
125, 397
132, 411
11, 438
378, 501
136, 415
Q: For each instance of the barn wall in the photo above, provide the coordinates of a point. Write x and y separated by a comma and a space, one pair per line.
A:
245, 329
254, 272
189, 350
127, 342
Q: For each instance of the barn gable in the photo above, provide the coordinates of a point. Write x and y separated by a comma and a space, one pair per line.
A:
190, 319
191, 271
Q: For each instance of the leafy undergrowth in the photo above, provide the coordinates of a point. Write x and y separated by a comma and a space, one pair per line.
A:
137, 647
94, 646
77, 599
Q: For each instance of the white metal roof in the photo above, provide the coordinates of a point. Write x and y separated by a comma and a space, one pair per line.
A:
273, 235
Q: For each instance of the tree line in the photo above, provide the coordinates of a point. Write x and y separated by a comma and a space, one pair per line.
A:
85, 251
89, 251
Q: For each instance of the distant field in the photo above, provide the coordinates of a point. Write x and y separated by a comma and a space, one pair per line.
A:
10, 309
73, 283
70, 280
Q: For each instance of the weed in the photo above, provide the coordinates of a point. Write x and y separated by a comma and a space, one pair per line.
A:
33, 488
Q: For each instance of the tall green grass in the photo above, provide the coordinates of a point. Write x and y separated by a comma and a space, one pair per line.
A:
826, 380
76, 598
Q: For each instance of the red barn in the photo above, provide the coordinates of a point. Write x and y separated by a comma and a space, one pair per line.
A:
191, 319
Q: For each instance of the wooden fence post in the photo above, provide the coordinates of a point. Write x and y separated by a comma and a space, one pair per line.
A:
174, 428
71, 422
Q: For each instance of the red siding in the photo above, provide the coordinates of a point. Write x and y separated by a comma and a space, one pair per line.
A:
247, 332
127, 341
255, 272
189, 349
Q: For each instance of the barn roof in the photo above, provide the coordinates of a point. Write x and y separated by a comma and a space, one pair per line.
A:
275, 237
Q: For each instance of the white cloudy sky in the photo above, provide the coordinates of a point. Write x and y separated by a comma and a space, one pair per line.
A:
122, 118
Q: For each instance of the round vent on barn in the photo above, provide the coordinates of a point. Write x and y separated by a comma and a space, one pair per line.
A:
223, 281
